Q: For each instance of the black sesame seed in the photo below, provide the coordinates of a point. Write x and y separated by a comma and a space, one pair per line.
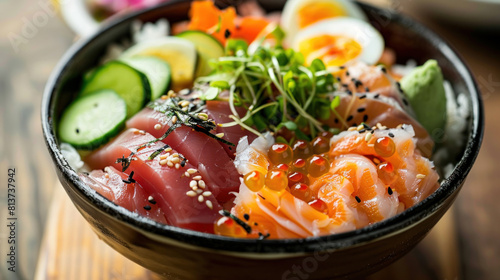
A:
246, 216
399, 87
347, 73
353, 80
389, 190
361, 110
349, 92
227, 33
367, 89
405, 101
391, 134
147, 207
365, 125
376, 95
342, 67
362, 130
383, 69
355, 124
358, 83
345, 85
357, 199
77, 130
336, 120
338, 79
365, 118
350, 118
255, 224
230, 148
362, 96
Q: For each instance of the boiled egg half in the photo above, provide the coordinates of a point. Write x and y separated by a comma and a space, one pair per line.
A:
299, 14
337, 41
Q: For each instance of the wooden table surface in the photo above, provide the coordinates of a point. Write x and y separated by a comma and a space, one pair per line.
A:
464, 245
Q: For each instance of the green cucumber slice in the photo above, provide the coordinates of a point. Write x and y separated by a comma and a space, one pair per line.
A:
179, 53
156, 70
207, 46
129, 83
92, 120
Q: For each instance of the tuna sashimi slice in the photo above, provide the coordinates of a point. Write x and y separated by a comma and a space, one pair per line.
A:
131, 196
202, 151
185, 205
220, 111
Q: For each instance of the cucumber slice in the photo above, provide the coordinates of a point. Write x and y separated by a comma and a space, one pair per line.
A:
179, 53
91, 120
156, 70
129, 83
207, 46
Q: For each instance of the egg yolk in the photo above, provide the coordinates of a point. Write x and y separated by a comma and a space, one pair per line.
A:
311, 13
334, 50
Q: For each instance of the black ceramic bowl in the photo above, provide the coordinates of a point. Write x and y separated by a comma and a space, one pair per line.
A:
183, 254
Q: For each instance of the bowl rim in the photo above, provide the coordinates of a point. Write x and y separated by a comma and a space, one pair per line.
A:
409, 217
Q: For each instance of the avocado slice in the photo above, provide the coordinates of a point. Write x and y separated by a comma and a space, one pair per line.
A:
424, 88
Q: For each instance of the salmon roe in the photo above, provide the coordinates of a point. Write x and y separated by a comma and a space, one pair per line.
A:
320, 145
254, 180
301, 149
276, 180
300, 165
385, 147
319, 205
386, 173
297, 177
318, 165
301, 191
228, 227
280, 153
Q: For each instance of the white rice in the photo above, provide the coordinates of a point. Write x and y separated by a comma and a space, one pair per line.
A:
72, 157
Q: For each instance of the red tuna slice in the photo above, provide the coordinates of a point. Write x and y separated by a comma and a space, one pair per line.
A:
220, 111
183, 206
202, 151
131, 196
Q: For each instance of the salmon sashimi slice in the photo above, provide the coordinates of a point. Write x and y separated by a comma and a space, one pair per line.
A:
200, 150
220, 111
370, 192
110, 183
371, 109
399, 165
187, 201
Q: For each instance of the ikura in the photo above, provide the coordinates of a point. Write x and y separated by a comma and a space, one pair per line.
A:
228, 227
254, 180
297, 177
386, 173
276, 180
321, 145
301, 149
385, 147
301, 191
319, 205
299, 165
280, 153
318, 165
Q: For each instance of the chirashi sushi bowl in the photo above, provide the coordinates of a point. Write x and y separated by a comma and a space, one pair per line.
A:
324, 140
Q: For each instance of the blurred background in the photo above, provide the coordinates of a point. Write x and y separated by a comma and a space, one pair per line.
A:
34, 35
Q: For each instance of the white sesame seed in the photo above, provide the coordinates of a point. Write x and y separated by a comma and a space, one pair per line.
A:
352, 128
203, 116
165, 156
174, 119
184, 109
201, 183
175, 155
157, 126
360, 127
193, 183
371, 145
168, 149
163, 161
177, 165
191, 193
420, 176
209, 204
184, 103
176, 160
201, 198
187, 174
358, 139
198, 177
150, 198
170, 164
192, 170
207, 193
164, 97
368, 136
198, 191
220, 135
